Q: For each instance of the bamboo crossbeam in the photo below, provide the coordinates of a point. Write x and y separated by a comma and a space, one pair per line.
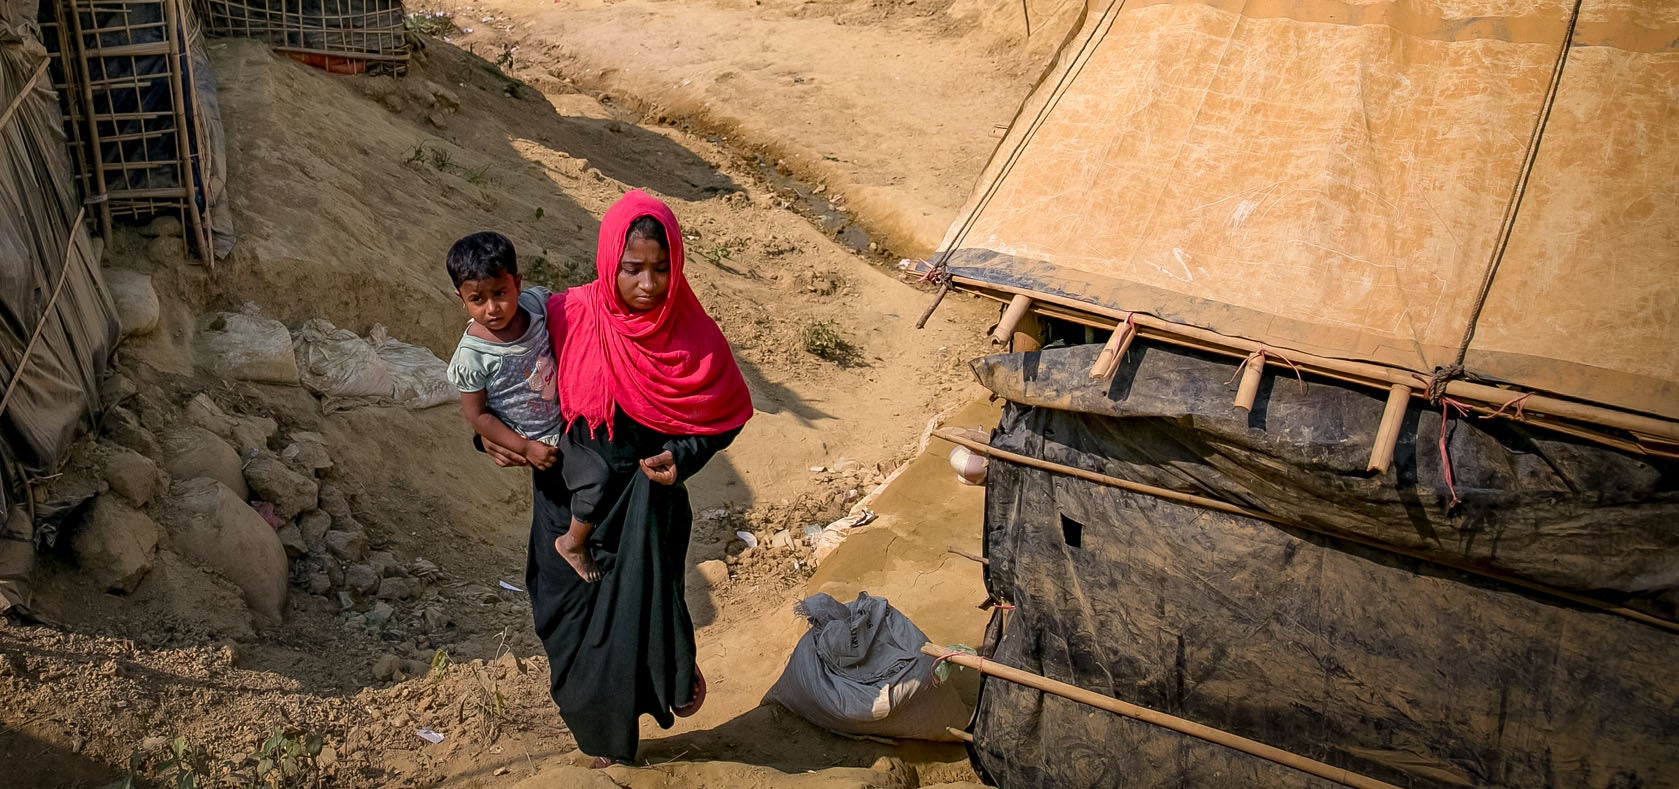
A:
1205, 502
1361, 372
1126, 709
1113, 351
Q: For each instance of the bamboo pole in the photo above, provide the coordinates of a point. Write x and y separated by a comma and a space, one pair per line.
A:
1091, 698
96, 153
1113, 351
1368, 542
1365, 372
1248, 390
959, 734
1387, 435
1011, 317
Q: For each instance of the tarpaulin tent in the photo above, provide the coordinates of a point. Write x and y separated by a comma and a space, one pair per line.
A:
57, 323
1377, 463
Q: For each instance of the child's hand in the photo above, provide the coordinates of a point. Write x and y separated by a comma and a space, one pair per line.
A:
540, 455
660, 468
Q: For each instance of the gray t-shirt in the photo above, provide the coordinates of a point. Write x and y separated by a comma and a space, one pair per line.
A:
518, 378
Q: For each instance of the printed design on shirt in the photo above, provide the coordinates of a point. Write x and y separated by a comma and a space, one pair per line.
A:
540, 376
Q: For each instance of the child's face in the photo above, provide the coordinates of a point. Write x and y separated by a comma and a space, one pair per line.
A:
492, 302
643, 274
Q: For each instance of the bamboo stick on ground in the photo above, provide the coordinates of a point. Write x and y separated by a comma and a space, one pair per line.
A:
1156, 718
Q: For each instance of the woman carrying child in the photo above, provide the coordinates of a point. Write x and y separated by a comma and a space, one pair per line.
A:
649, 392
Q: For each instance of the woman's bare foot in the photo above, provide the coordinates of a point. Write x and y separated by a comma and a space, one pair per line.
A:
602, 762
699, 697
576, 553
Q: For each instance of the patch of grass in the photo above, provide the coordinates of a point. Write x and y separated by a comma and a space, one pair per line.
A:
442, 161
431, 23
824, 341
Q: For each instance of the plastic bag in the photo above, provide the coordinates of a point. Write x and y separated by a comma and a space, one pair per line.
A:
859, 670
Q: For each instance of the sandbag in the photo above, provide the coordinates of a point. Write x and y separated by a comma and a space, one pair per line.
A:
336, 363
419, 378
859, 670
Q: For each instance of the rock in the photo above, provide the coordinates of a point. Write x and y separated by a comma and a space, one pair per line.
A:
212, 524
191, 452
115, 544
116, 389
132, 475
436, 621
163, 225
350, 546
387, 667
327, 758
154, 743
135, 300
167, 250
248, 348
426, 570
319, 582
715, 572
253, 432
124, 428
308, 456
381, 613
334, 502
395, 589
204, 412
361, 578
291, 538
314, 525
384, 564
290, 492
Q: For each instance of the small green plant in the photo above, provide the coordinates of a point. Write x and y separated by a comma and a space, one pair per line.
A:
187, 768
717, 254
504, 61
824, 341
286, 761
478, 177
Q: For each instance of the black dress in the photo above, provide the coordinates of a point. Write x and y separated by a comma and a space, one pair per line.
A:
623, 646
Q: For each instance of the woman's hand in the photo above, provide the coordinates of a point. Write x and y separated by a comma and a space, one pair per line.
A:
540, 455
660, 468
504, 457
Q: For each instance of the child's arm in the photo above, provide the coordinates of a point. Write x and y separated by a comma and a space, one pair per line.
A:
493, 429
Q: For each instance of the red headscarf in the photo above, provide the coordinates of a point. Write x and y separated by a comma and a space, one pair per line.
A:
668, 368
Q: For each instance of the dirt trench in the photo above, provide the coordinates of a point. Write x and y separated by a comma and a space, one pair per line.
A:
346, 192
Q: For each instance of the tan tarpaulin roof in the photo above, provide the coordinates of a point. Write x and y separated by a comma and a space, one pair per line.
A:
1335, 177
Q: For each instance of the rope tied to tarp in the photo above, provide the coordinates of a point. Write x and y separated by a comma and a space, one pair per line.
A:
1259, 355
1447, 404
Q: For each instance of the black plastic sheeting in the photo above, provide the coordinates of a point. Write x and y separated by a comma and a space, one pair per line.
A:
1391, 667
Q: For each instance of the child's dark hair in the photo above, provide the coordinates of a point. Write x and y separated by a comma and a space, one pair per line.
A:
485, 255
649, 227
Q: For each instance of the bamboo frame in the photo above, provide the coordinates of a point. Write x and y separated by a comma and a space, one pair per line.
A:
369, 30
1152, 717
105, 48
1253, 370
1485, 399
1220, 506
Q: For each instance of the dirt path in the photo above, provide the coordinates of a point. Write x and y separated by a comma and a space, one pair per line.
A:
890, 106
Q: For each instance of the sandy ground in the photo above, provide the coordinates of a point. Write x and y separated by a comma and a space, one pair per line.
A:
346, 193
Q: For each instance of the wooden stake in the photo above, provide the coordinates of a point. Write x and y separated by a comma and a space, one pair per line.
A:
966, 555
1248, 390
1359, 539
1387, 435
959, 734
1011, 318
1113, 352
1156, 718
938, 298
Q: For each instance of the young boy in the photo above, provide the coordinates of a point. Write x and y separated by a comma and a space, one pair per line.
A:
504, 365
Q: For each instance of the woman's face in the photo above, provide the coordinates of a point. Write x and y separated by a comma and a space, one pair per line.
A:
643, 274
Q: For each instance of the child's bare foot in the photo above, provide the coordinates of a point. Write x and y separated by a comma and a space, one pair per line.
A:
576, 554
